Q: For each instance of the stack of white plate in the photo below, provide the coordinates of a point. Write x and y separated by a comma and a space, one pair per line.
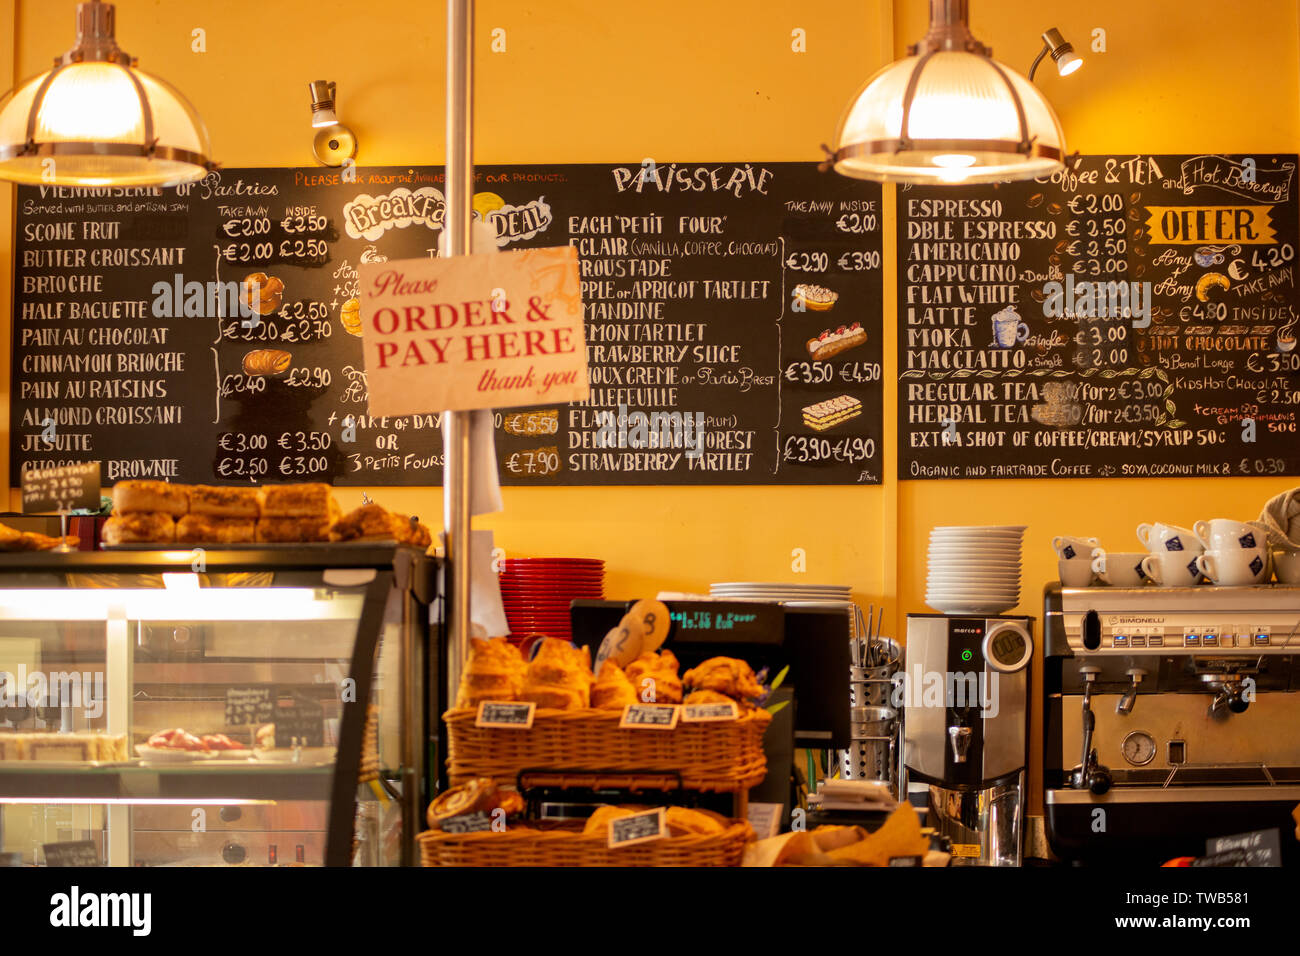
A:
974, 570
780, 593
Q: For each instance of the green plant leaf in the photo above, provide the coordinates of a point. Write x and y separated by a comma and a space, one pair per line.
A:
776, 681
775, 707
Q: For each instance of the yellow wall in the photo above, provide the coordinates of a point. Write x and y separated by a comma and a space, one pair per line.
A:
614, 81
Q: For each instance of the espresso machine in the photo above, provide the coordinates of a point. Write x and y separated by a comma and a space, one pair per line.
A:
1170, 719
965, 730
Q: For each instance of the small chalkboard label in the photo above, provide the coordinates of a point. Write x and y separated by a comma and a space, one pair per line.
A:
467, 823
61, 489
1261, 847
637, 828
249, 705
301, 723
707, 713
75, 853
651, 716
496, 713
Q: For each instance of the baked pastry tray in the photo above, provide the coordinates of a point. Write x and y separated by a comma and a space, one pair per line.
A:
248, 545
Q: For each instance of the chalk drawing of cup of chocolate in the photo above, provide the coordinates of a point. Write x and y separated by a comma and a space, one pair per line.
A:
1008, 329
1286, 339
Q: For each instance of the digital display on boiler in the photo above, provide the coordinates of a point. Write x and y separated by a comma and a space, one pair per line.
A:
1008, 647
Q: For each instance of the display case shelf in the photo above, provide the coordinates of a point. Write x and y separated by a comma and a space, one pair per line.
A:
168, 637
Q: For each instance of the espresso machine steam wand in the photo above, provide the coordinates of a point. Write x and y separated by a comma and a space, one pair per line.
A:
1090, 773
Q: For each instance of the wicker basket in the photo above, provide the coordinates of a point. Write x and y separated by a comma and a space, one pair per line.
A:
723, 756
520, 846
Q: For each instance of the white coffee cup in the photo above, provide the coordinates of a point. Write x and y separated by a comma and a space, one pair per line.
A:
1287, 566
1068, 547
1171, 569
1234, 568
1168, 537
1120, 569
1224, 534
1075, 572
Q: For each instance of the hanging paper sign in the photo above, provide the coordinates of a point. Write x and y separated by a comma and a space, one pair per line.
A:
496, 330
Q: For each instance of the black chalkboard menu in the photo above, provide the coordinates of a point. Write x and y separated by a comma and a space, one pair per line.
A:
209, 333
1133, 316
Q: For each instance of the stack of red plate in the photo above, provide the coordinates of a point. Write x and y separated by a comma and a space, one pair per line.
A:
537, 591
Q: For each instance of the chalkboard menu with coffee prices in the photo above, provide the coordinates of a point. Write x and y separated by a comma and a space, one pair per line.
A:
212, 332
1131, 316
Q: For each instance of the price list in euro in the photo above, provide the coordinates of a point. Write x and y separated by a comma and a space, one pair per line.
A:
1131, 316
212, 332
733, 329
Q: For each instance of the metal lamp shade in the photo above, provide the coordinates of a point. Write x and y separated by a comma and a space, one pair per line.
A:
947, 117
100, 123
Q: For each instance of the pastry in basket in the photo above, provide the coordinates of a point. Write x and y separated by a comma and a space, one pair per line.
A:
684, 822
224, 502
293, 530
477, 795
612, 690
654, 676
714, 697
149, 527
201, 528
156, 496
726, 675
494, 671
598, 823
559, 677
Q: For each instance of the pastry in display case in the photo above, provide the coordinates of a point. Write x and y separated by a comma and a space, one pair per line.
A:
239, 707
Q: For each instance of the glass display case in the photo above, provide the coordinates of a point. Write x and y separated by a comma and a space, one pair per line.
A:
234, 707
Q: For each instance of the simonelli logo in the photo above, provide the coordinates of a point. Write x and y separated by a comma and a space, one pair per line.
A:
76, 909
369, 217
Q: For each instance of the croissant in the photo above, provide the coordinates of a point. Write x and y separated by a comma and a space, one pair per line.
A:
682, 821
612, 690
267, 362
598, 822
707, 697
494, 671
559, 676
726, 675
660, 668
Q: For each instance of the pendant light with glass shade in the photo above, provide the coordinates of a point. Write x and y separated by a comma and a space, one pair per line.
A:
948, 113
96, 120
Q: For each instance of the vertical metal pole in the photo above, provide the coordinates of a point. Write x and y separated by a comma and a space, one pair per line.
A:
460, 191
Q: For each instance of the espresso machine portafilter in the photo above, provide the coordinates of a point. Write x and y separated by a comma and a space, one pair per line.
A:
966, 687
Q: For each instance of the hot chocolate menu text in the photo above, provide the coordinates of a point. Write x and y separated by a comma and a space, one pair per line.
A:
1132, 316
